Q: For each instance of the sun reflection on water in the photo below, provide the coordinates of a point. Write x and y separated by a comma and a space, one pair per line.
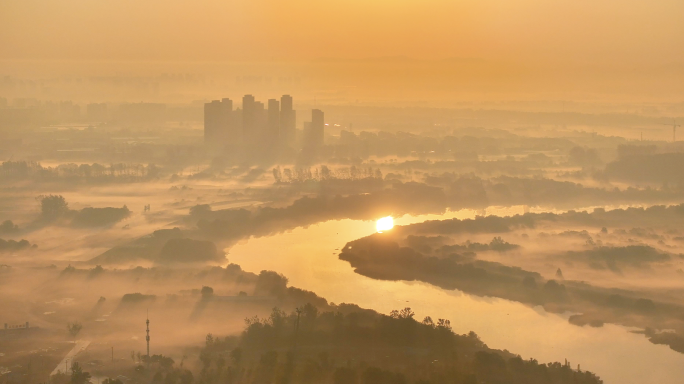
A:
384, 224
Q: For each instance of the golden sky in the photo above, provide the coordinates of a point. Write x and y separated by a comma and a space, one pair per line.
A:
573, 31
422, 49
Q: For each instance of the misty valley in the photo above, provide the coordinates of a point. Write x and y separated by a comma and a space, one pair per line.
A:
462, 248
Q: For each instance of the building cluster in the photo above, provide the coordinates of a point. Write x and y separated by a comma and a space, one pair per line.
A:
20, 326
260, 125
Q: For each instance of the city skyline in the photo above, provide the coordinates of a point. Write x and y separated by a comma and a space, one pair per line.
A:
255, 124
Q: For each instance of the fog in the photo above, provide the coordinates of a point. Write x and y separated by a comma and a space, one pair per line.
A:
346, 51
189, 191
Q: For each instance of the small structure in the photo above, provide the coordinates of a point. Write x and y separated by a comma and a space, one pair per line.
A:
148, 337
20, 326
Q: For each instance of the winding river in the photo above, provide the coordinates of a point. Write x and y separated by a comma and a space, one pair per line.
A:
308, 257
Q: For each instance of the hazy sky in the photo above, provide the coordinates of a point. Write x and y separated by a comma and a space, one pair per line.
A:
608, 49
605, 31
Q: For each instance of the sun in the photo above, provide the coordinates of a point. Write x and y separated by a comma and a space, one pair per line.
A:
384, 224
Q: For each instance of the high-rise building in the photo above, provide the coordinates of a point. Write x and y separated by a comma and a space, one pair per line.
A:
249, 118
231, 131
317, 126
288, 120
255, 125
273, 123
212, 121
219, 127
260, 122
314, 131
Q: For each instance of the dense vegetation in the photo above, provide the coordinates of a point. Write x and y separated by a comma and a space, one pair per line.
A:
20, 170
349, 345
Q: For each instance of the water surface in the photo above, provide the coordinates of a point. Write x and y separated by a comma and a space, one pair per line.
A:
309, 258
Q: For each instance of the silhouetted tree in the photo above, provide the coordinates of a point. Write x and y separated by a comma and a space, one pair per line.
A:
344, 375
236, 356
207, 292
74, 328
77, 374
8, 226
53, 206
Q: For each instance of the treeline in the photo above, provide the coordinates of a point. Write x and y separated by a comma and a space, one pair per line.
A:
466, 143
471, 191
323, 172
349, 345
647, 167
164, 246
55, 208
407, 253
235, 224
438, 194
97, 172
13, 245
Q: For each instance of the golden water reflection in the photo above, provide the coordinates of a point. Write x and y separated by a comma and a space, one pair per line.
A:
308, 257
384, 224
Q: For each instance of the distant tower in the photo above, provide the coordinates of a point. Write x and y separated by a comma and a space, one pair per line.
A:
288, 120
273, 124
249, 117
674, 130
218, 122
148, 336
212, 121
314, 130
317, 127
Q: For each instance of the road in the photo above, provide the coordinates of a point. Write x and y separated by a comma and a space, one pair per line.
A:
79, 346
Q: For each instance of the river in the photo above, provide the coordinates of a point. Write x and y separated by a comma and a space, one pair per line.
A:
308, 257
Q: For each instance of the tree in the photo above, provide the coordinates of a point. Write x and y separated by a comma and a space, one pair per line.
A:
220, 363
559, 274
78, 376
186, 377
236, 355
405, 313
444, 324
277, 174
8, 226
207, 292
205, 358
200, 210
74, 328
112, 381
53, 206
60, 378
162, 361
344, 375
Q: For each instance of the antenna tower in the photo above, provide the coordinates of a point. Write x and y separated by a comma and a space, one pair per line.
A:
148, 335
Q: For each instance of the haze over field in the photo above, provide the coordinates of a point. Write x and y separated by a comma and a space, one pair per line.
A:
341, 192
